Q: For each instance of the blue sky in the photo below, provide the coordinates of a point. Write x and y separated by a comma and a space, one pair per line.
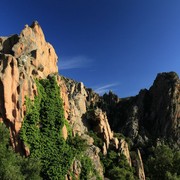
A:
117, 45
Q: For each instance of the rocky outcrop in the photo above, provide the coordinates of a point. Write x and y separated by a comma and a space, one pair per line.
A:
164, 114
93, 153
124, 149
28, 56
152, 113
140, 167
98, 122
138, 164
22, 59
80, 108
74, 96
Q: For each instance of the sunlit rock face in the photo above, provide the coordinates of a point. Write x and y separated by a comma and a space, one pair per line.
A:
23, 58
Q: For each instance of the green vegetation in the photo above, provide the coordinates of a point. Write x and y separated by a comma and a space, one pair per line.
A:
163, 164
116, 166
41, 132
97, 140
12, 165
88, 169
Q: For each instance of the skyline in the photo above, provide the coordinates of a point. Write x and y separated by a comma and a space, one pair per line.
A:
107, 45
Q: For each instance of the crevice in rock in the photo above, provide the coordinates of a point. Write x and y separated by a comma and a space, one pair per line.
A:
18, 89
13, 98
14, 113
34, 72
22, 76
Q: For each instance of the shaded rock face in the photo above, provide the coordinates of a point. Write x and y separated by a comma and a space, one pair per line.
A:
22, 59
153, 113
164, 115
138, 164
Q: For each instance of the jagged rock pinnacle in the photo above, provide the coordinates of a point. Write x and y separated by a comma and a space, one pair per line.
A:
23, 58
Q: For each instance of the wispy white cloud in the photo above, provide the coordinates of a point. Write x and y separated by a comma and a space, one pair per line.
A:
77, 62
105, 88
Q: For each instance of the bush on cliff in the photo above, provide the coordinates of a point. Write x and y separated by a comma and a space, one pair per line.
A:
163, 163
116, 166
12, 165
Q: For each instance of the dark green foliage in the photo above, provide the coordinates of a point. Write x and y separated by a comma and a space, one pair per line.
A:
87, 168
31, 168
116, 166
9, 167
164, 163
170, 176
97, 140
12, 165
77, 144
117, 173
119, 135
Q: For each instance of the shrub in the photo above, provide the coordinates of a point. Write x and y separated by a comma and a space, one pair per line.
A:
12, 165
114, 164
164, 163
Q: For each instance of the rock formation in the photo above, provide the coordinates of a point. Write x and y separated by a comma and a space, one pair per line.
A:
22, 59
152, 114
164, 114
74, 96
124, 149
99, 124
138, 164
140, 167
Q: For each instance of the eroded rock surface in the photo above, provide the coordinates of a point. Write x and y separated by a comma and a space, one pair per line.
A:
124, 149
74, 96
22, 59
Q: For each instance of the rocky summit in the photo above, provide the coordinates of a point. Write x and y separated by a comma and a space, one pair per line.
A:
121, 134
